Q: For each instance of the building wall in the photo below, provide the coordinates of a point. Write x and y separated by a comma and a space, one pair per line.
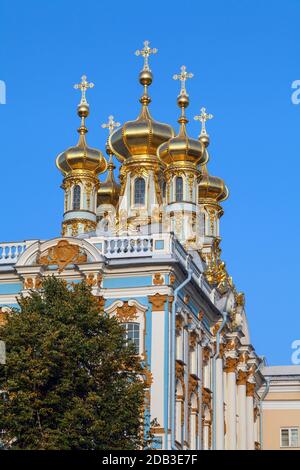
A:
281, 406
275, 419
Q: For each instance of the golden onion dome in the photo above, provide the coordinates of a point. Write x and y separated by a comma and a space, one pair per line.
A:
212, 187
140, 138
109, 190
81, 156
182, 148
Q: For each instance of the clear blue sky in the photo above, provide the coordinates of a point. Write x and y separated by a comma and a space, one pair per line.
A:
244, 56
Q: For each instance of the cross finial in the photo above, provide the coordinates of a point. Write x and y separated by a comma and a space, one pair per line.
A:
203, 117
110, 125
83, 86
183, 76
145, 52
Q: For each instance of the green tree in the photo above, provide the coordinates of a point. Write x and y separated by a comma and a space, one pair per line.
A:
71, 380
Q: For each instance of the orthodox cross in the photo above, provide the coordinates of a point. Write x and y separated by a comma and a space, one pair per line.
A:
183, 76
145, 52
110, 125
83, 86
203, 117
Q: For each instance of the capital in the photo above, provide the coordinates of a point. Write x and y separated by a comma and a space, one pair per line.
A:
158, 302
230, 365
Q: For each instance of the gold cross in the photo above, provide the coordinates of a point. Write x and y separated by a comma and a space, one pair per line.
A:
83, 86
183, 76
203, 117
110, 125
145, 53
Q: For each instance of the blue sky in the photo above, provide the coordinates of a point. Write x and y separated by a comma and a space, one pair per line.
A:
244, 56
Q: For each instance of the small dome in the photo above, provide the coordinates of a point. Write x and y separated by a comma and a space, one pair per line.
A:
182, 148
212, 187
109, 190
142, 137
81, 157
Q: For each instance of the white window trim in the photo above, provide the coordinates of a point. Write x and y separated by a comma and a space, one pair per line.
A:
289, 428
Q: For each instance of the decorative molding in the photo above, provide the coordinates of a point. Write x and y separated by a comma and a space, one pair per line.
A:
94, 279
241, 377
158, 279
230, 365
250, 389
193, 339
158, 302
126, 313
62, 254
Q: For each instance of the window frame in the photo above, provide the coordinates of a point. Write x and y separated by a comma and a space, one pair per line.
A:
78, 198
134, 324
135, 203
179, 178
289, 429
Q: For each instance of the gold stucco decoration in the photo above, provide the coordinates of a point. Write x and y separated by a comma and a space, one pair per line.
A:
126, 313
62, 254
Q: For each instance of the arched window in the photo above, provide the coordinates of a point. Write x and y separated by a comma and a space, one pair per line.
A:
132, 334
179, 189
76, 197
139, 191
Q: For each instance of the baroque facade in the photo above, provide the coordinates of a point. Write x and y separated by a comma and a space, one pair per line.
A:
149, 247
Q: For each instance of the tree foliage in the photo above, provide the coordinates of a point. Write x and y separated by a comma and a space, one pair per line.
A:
71, 382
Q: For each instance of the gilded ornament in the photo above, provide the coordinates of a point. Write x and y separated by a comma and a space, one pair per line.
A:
206, 355
158, 279
126, 313
241, 377
3, 316
230, 365
193, 340
250, 389
158, 302
62, 254
206, 396
101, 303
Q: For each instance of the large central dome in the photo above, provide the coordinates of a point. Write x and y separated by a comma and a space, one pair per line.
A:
140, 139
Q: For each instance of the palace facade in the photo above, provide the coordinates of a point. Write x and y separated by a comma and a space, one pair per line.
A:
149, 247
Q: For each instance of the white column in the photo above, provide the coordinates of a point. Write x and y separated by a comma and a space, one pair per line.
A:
219, 406
241, 394
250, 415
157, 359
231, 411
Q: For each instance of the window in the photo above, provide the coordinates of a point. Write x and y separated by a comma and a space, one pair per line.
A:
132, 333
289, 437
76, 197
139, 191
179, 189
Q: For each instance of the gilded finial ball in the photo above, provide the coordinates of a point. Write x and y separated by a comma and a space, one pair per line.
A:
83, 110
145, 77
183, 100
204, 138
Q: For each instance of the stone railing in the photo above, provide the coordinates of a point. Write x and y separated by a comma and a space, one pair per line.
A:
10, 252
162, 246
124, 247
